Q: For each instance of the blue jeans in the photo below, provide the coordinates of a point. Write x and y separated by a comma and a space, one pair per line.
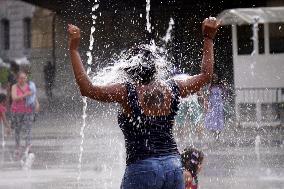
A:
154, 173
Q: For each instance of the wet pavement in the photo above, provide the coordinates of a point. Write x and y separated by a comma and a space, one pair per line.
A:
229, 164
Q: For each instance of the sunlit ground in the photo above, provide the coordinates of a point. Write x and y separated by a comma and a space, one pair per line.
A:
230, 163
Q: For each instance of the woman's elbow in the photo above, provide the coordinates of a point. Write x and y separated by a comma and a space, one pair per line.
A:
207, 77
84, 92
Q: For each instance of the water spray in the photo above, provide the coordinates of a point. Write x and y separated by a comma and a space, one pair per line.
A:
84, 99
148, 26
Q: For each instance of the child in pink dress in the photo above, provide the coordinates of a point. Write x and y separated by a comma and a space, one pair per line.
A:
3, 119
191, 159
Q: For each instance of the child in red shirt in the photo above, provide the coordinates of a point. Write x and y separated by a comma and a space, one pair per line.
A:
3, 110
192, 163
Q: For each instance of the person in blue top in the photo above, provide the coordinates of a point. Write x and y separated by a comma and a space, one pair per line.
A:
148, 108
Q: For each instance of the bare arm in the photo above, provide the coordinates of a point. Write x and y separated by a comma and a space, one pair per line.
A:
110, 93
194, 83
5, 121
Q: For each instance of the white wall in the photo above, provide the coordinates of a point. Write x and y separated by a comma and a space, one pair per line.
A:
260, 71
15, 11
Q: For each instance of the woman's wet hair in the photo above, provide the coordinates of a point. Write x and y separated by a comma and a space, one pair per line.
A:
191, 158
144, 71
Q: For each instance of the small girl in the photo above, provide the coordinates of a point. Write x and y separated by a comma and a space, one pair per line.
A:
3, 118
192, 163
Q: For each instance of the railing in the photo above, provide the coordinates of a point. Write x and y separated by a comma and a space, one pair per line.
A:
259, 105
264, 95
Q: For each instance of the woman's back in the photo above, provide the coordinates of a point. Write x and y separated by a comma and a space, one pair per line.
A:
154, 99
148, 130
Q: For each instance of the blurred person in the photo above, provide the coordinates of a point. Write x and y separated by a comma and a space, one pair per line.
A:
228, 102
192, 160
148, 108
22, 115
32, 100
12, 76
200, 111
49, 74
12, 79
3, 118
182, 124
214, 117
190, 117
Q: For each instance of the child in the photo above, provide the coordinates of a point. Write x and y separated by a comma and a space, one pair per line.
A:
3, 118
191, 159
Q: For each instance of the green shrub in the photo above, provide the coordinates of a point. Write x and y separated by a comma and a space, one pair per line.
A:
4, 72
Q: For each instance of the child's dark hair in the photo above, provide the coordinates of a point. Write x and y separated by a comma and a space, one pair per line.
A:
3, 97
191, 158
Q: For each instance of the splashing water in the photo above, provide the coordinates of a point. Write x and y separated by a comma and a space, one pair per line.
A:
256, 148
84, 99
148, 16
114, 71
189, 116
255, 43
167, 37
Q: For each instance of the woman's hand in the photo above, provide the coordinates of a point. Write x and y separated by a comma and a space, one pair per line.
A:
210, 26
27, 94
74, 37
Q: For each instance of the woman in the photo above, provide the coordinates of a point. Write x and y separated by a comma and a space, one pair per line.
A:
22, 114
147, 112
214, 118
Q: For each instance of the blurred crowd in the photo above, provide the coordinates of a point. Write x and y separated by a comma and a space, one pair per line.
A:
209, 110
18, 105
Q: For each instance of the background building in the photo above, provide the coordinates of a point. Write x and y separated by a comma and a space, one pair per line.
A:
37, 30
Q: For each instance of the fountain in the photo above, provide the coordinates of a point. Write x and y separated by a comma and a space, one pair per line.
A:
257, 143
101, 158
84, 99
114, 73
2, 133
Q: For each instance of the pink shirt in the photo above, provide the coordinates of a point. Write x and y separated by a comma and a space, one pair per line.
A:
20, 106
2, 110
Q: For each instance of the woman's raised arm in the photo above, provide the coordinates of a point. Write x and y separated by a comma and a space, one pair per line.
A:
193, 84
109, 93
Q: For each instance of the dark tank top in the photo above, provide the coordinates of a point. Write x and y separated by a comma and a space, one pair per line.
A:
148, 136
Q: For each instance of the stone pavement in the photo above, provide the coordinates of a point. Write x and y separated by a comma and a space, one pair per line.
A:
232, 162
